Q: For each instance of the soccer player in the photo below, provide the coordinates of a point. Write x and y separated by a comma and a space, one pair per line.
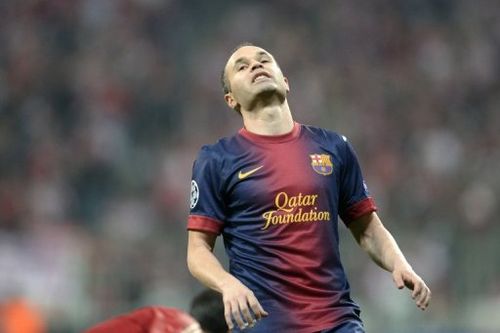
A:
149, 319
274, 191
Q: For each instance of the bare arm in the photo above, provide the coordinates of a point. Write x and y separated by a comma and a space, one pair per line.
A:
374, 238
203, 265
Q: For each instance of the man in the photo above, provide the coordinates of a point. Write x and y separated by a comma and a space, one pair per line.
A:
150, 319
207, 308
274, 190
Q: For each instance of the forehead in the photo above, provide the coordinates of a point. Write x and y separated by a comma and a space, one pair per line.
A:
246, 52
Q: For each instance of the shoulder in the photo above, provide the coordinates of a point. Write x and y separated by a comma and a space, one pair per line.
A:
324, 135
220, 151
207, 153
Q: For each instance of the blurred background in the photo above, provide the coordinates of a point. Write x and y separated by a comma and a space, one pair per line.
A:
104, 105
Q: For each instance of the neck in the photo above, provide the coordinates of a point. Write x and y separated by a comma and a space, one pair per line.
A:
269, 120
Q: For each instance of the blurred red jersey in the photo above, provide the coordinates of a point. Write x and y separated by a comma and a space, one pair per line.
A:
151, 319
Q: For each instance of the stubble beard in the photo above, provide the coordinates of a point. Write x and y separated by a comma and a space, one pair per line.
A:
269, 93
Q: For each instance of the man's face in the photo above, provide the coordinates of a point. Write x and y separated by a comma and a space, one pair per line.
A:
253, 72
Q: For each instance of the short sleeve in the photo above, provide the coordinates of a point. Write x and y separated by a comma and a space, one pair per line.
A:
354, 200
206, 198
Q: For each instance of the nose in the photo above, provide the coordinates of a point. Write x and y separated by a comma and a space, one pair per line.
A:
255, 64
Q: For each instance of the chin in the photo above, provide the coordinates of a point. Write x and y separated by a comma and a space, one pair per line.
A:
269, 91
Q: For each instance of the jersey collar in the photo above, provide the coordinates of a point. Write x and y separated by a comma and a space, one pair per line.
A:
292, 135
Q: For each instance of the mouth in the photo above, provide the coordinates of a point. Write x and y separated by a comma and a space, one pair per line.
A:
261, 76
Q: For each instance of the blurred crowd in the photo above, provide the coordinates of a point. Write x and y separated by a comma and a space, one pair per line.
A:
104, 105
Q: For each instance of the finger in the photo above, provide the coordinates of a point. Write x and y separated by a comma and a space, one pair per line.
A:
247, 316
227, 315
423, 301
235, 312
427, 298
257, 308
421, 297
417, 289
398, 280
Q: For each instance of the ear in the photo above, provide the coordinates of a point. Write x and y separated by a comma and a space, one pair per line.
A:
287, 85
230, 101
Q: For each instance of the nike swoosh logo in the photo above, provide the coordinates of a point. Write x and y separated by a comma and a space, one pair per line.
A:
243, 175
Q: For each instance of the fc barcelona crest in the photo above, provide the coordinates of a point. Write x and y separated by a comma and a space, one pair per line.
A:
322, 164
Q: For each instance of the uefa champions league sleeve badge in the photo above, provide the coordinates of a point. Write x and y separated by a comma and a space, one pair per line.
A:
195, 194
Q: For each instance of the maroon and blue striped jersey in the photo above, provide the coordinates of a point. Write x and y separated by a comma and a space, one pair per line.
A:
276, 201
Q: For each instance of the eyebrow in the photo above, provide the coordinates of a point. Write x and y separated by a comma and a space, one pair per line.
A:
242, 59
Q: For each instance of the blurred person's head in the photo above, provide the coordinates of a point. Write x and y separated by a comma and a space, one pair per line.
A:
252, 74
151, 319
207, 308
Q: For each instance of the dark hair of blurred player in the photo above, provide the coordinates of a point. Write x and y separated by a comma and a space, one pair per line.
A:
208, 309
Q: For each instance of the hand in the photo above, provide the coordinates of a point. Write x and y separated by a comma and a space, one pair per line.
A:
238, 300
405, 277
